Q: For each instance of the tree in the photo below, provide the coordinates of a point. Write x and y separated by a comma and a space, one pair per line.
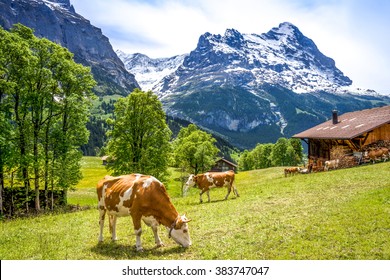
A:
284, 152
139, 138
49, 95
246, 161
194, 149
279, 155
298, 150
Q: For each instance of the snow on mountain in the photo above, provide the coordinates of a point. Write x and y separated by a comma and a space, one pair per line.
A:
148, 71
283, 56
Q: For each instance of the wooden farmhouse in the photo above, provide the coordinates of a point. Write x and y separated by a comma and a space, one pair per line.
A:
222, 165
352, 133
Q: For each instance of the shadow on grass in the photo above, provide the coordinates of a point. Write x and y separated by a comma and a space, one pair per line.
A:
113, 250
211, 202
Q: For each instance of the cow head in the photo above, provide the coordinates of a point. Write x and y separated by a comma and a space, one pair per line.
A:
190, 182
179, 231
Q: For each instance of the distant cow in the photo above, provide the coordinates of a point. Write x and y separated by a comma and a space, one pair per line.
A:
210, 180
143, 198
291, 171
331, 164
378, 154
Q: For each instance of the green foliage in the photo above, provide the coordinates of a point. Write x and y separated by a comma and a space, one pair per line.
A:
195, 150
285, 152
139, 139
44, 102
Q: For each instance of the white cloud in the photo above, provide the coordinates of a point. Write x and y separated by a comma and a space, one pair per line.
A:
352, 32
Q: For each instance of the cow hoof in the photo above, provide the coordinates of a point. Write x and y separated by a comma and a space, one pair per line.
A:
160, 245
140, 250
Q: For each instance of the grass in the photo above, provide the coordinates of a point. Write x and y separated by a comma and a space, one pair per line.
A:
342, 214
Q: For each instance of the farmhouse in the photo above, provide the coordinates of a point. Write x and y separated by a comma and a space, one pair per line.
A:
223, 165
353, 133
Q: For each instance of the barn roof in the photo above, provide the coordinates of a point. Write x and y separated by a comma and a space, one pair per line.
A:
350, 125
228, 162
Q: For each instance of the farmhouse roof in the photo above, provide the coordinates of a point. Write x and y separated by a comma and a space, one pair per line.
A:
349, 125
228, 162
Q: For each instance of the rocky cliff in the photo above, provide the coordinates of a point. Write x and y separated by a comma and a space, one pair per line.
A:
58, 21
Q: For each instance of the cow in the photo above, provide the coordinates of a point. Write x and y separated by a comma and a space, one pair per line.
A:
333, 164
381, 153
291, 171
142, 197
209, 180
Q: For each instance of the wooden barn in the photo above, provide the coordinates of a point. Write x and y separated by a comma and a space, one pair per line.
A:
349, 134
223, 165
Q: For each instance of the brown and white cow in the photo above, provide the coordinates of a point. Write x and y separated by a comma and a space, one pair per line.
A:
378, 154
210, 180
143, 198
291, 171
331, 164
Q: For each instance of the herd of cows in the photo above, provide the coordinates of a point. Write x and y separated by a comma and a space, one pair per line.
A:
374, 155
145, 198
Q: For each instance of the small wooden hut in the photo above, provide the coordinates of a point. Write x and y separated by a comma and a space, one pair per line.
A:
351, 132
222, 165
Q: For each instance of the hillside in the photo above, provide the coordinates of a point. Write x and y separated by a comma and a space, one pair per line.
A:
336, 215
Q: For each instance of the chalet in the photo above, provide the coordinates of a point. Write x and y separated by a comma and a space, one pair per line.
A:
223, 165
353, 132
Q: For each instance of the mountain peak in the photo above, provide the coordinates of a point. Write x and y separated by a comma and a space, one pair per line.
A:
62, 4
234, 38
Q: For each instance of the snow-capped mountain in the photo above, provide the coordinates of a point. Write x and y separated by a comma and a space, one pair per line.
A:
282, 56
253, 88
149, 71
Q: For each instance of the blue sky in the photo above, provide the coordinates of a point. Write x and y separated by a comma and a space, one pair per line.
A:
355, 33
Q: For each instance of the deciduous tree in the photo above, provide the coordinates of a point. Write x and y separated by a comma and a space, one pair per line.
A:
139, 138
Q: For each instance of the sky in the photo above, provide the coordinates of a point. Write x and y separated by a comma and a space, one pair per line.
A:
355, 33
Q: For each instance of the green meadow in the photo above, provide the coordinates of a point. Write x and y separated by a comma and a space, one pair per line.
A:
336, 215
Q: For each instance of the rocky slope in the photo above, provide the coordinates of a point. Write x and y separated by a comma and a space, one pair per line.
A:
57, 21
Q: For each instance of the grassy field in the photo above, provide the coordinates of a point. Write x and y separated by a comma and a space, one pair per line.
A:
342, 214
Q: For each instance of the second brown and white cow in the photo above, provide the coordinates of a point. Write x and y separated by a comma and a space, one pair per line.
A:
331, 164
210, 180
144, 198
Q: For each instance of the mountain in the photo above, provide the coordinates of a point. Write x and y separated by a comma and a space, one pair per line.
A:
253, 88
57, 21
149, 71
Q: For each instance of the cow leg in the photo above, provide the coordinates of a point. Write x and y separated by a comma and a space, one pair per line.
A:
102, 215
159, 243
229, 189
137, 232
113, 227
235, 190
152, 222
200, 196
208, 195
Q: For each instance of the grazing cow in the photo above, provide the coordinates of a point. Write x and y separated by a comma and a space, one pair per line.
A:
291, 171
331, 164
210, 180
381, 153
143, 198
